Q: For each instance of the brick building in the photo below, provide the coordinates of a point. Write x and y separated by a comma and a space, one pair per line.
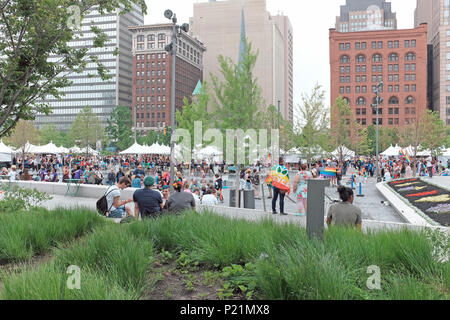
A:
152, 74
359, 61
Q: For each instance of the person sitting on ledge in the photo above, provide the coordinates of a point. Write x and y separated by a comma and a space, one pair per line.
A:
116, 207
180, 200
344, 213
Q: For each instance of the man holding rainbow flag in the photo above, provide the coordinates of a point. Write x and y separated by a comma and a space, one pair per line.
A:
278, 179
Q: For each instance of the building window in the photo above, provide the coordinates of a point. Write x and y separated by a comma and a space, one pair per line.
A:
364, 89
360, 58
390, 88
363, 122
377, 58
413, 43
140, 38
407, 88
413, 88
380, 45
361, 101
410, 57
374, 45
357, 89
358, 46
390, 44
348, 90
393, 57
396, 44
363, 45
393, 100
406, 43
409, 100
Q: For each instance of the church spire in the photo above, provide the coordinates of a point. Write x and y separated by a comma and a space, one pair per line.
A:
242, 46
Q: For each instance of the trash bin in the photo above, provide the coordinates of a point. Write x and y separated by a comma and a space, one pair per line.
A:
233, 198
249, 199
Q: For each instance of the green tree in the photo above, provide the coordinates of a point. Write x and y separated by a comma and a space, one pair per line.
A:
31, 32
365, 146
24, 132
87, 129
197, 110
237, 99
313, 122
340, 128
119, 127
434, 132
49, 133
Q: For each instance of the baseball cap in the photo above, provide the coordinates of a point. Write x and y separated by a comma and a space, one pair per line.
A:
149, 181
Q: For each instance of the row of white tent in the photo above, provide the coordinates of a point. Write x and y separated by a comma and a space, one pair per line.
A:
395, 151
49, 148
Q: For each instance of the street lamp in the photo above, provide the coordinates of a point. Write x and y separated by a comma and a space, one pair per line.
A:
378, 101
172, 49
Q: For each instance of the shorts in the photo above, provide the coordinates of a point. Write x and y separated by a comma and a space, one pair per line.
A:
119, 213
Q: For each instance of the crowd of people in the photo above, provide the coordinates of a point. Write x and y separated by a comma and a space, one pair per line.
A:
150, 176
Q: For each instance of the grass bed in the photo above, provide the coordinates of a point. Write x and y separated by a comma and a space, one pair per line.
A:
25, 234
285, 265
113, 266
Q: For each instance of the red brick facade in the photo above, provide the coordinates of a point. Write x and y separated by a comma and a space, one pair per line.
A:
360, 60
152, 74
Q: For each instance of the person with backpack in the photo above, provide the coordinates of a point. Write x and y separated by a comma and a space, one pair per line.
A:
116, 208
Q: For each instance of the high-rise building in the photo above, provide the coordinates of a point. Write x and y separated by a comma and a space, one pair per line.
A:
152, 74
366, 15
88, 89
359, 61
436, 13
218, 24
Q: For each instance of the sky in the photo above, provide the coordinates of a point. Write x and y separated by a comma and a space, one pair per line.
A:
310, 19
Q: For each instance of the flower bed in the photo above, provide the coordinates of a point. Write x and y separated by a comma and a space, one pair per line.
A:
431, 200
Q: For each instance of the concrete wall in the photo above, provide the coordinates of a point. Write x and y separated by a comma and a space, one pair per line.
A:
95, 192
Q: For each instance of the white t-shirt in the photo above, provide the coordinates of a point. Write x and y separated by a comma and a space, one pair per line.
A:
209, 200
13, 176
197, 199
112, 193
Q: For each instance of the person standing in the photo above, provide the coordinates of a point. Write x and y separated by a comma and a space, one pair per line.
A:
255, 182
430, 167
300, 186
279, 192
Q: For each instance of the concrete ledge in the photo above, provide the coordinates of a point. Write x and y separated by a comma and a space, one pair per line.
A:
255, 215
403, 209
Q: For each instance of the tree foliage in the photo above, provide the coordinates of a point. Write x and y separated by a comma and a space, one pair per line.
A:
119, 127
340, 129
87, 129
32, 31
313, 122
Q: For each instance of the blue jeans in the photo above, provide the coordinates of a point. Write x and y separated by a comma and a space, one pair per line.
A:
276, 193
119, 213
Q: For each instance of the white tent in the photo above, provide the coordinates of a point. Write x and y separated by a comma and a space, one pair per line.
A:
424, 153
27, 148
136, 148
75, 149
49, 148
5, 152
392, 151
89, 150
446, 153
63, 150
158, 149
346, 153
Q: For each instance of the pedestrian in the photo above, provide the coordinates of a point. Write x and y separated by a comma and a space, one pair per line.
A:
300, 188
281, 170
255, 182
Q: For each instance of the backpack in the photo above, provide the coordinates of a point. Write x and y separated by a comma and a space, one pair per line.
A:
102, 204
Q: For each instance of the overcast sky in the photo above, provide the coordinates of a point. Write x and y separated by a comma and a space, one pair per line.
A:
310, 21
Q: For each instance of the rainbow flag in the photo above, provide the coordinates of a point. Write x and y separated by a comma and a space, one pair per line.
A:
328, 172
279, 178
405, 155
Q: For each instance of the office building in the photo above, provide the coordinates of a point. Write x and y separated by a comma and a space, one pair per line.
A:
152, 74
88, 89
366, 15
359, 61
218, 25
436, 13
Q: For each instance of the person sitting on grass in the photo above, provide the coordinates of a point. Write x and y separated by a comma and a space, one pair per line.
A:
344, 213
116, 207
180, 201
148, 202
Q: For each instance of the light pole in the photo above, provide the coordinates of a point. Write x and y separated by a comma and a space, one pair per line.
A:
279, 127
378, 101
172, 49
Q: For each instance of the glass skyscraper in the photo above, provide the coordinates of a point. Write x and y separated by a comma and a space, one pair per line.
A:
88, 89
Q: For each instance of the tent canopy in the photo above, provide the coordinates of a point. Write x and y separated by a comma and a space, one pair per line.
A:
346, 153
5, 149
